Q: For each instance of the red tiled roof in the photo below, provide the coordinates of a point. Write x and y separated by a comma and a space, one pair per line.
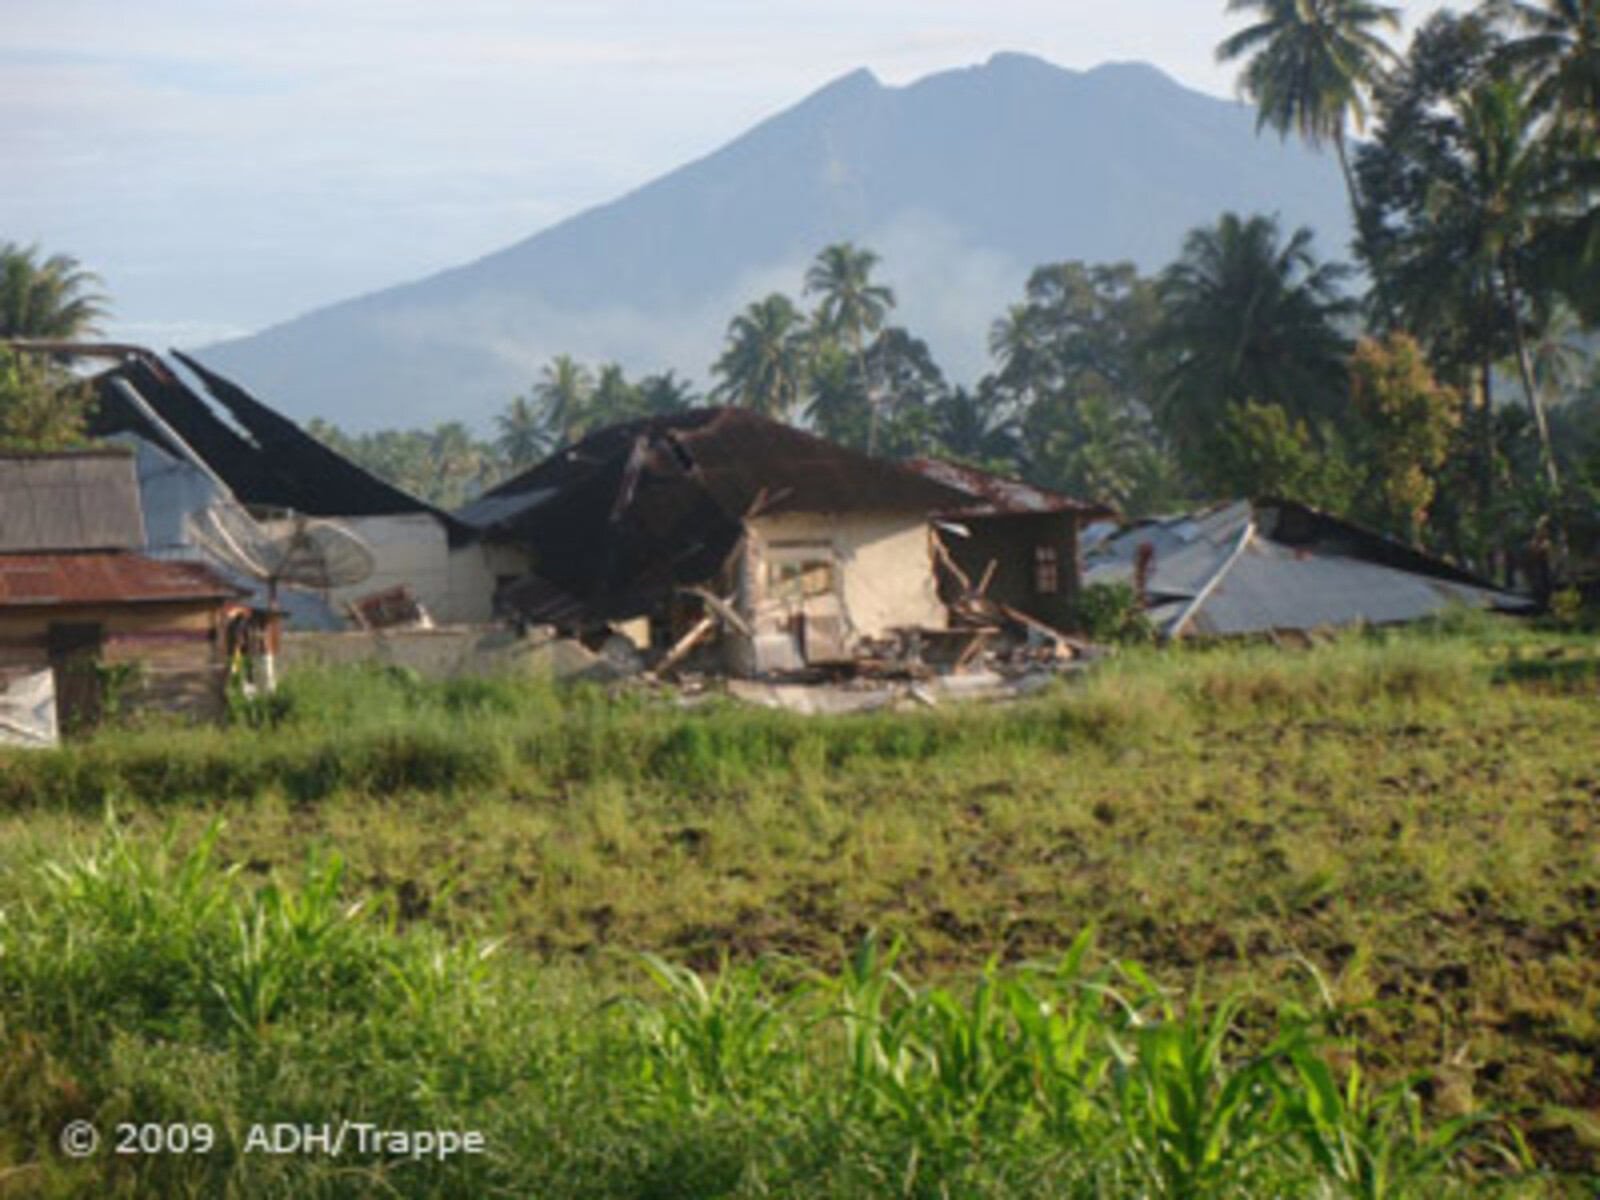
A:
40, 580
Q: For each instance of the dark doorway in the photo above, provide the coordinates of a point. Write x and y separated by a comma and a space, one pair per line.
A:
75, 658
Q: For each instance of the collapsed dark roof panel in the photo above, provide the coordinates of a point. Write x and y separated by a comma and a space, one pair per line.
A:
744, 461
321, 481
189, 418
267, 461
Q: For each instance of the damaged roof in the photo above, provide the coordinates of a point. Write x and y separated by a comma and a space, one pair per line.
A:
74, 500
264, 458
56, 580
623, 517
1257, 567
989, 494
742, 460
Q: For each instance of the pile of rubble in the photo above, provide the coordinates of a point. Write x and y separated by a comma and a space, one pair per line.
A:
990, 653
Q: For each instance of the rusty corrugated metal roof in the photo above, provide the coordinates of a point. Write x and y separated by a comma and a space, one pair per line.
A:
76, 500
54, 580
997, 494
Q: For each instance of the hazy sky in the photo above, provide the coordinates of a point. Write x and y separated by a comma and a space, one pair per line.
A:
226, 164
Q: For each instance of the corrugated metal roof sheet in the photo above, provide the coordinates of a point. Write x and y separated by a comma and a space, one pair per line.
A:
997, 494
1186, 550
53, 580
1298, 569
82, 500
1278, 587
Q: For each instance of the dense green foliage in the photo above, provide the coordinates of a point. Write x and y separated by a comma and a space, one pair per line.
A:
41, 406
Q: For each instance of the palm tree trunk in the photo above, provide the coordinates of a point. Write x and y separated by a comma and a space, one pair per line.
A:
1349, 178
1485, 417
866, 394
1366, 245
1529, 390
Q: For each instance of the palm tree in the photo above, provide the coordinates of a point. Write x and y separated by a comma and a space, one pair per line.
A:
49, 298
1312, 66
852, 308
524, 437
665, 393
1467, 252
614, 399
1249, 316
972, 427
763, 366
1018, 344
563, 389
1559, 359
837, 410
1493, 204
459, 464
1559, 55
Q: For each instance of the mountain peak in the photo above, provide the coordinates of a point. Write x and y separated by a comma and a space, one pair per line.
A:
860, 80
1016, 60
963, 181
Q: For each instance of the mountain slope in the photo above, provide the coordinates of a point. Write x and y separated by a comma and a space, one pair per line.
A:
962, 181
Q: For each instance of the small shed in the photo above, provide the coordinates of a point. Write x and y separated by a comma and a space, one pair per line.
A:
113, 627
1016, 543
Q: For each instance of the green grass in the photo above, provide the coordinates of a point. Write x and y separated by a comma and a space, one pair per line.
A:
1370, 871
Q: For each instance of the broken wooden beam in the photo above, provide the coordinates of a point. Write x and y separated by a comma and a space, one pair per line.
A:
680, 649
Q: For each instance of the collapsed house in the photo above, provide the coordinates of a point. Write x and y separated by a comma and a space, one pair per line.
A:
204, 444
1011, 547
1275, 566
801, 553
85, 620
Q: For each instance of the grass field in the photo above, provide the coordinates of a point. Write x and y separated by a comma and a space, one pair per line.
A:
742, 953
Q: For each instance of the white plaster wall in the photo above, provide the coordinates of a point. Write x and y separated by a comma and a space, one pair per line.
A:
410, 550
456, 585
885, 565
472, 570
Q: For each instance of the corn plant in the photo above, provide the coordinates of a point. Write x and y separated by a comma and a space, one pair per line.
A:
709, 1045
291, 942
1368, 1143
1062, 1024
1191, 1123
867, 1004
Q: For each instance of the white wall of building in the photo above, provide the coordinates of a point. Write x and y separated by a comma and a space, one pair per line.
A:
885, 568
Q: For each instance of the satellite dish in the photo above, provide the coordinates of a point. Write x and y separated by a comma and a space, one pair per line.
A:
300, 552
